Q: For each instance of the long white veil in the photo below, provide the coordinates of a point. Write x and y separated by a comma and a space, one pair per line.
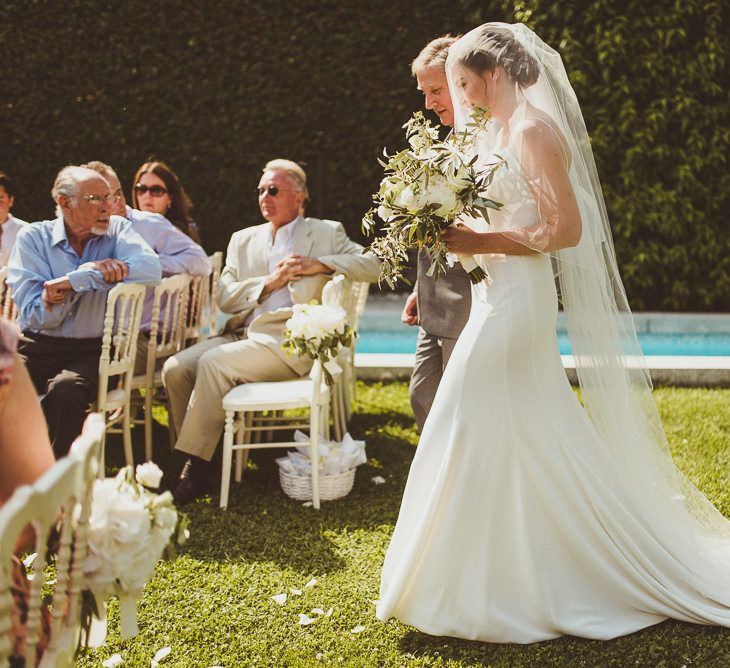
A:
612, 371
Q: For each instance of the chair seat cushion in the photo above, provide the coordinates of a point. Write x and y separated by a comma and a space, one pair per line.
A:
269, 396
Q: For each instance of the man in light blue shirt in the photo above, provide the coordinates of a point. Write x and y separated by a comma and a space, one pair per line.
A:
60, 272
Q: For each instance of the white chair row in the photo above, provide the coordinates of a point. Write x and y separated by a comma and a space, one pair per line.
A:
183, 311
57, 505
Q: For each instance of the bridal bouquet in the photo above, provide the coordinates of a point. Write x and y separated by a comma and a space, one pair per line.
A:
425, 189
319, 331
130, 529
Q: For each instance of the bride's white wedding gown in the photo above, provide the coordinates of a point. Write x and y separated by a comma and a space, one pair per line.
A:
516, 524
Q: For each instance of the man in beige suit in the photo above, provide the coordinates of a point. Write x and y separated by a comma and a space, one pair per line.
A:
269, 267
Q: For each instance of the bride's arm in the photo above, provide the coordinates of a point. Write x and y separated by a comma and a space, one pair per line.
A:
545, 166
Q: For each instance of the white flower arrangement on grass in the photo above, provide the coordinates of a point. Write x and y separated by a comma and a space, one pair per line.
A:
131, 528
426, 188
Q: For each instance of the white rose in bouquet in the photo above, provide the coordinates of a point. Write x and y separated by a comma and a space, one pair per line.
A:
440, 192
459, 179
412, 197
149, 475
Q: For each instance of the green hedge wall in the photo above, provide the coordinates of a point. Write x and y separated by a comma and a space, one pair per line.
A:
217, 89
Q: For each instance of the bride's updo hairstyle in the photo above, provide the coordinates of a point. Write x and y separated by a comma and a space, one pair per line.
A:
494, 46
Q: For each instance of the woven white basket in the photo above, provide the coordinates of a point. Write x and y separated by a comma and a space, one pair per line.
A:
331, 487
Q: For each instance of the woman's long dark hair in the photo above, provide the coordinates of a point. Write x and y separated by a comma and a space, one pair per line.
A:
179, 212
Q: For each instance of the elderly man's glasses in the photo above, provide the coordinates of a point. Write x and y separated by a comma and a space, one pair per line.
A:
155, 191
273, 191
98, 200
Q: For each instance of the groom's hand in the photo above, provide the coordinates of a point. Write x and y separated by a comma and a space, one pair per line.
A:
410, 310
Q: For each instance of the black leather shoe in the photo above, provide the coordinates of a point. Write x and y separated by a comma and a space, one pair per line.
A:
194, 482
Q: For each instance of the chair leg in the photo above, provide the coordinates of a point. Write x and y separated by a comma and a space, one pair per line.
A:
227, 459
148, 424
314, 453
342, 403
243, 436
347, 391
127, 435
336, 417
101, 473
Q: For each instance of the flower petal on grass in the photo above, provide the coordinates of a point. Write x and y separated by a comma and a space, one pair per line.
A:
162, 653
113, 661
329, 612
317, 611
305, 620
28, 561
378, 480
279, 599
311, 583
307, 504
358, 629
296, 592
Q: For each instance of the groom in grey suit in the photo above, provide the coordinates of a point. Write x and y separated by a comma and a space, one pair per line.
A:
441, 308
269, 267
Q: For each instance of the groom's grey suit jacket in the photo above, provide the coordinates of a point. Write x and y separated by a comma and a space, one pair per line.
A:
443, 305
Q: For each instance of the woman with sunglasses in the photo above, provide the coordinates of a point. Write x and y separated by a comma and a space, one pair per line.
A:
157, 189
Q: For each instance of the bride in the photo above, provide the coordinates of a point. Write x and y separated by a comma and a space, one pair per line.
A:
527, 515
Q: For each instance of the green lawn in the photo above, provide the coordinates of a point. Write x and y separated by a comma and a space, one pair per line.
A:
213, 605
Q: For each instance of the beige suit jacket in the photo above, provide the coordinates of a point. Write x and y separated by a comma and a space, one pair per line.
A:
244, 276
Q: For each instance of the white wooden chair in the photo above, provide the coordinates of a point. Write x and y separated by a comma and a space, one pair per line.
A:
355, 302
8, 309
247, 399
195, 314
211, 307
169, 307
116, 364
49, 506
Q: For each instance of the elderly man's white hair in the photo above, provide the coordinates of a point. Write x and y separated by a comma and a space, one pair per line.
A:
107, 171
297, 176
67, 183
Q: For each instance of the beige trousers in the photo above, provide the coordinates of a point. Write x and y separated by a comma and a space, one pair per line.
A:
197, 379
432, 354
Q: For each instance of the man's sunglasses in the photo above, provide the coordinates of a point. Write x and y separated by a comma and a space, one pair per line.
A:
155, 191
272, 191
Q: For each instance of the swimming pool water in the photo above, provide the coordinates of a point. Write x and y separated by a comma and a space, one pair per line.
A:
403, 340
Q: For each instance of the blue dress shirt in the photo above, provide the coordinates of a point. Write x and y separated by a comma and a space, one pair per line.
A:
42, 252
178, 253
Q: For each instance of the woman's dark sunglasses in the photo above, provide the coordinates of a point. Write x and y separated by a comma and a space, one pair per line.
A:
155, 191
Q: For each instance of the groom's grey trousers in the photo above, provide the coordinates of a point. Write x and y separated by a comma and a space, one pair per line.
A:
443, 309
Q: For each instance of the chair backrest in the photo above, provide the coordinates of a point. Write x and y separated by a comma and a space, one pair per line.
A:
87, 450
211, 314
119, 341
48, 507
354, 299
169, 307
360, 290
197, 300
8, 309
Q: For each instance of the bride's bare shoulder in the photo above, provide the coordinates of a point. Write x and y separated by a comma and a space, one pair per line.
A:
538, 131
